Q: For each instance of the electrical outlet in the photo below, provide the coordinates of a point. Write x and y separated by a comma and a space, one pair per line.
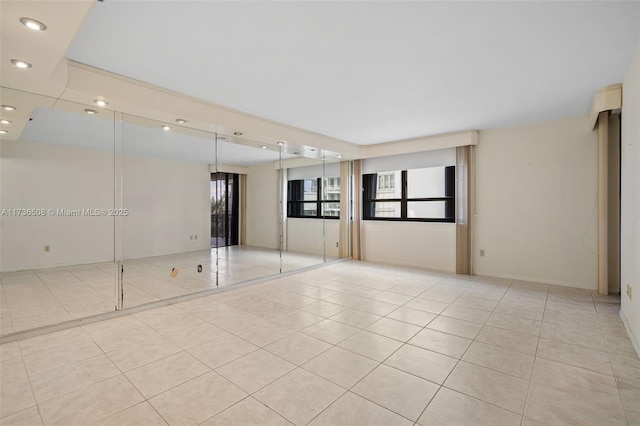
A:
195, 237
481, 252
191, 237
629, 292
336, 244
47, 249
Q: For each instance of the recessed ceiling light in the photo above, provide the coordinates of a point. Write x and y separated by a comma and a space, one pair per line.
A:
165, 127
90, 111
264, 147
180, 120
8, 107
281, 143
312, 149
3, 121
339, 155
32, 24
20, 64
237, 133
3, 132
101, 103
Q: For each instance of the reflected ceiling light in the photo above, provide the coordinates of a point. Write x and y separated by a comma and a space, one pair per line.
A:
165, 127
281, 143
101, 103
8, 107
237, 133
264, 147
32, 24
3, 121
339, 155
90, 111
180, 120
21, 64
3, 132
312, 149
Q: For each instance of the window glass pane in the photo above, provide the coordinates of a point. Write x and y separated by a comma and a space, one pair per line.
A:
388, 185
426, 209
383, 209
426, 183
331, 209
310, 190
331, 190
309, 209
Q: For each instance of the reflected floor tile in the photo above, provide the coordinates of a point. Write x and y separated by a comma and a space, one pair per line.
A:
340, 366
247, 412
299, 396
396, 390
352, 410
491, 386
453, 408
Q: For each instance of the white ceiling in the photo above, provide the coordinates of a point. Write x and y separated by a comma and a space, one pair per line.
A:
370, 72
141, 137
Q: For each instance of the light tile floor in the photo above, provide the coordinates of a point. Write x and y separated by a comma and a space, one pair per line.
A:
349, 343
44, 297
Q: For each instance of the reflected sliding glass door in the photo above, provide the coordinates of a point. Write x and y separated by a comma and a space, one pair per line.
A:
224, 209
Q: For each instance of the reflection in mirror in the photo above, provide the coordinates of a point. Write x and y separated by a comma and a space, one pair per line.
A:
57, 203
118, 211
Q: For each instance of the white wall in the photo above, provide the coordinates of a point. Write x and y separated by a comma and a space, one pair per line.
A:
308, 236
262, 207
45, 176
167, 200
536, 191
630, 202
418, 244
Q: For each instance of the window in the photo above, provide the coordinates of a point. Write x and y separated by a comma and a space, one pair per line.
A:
309, 198
426, 195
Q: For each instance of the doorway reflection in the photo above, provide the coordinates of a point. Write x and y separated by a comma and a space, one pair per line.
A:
225, 196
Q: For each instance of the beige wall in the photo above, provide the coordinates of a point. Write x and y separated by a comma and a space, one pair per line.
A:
262, 207
418, 244
311, 237
630, 202
167, 201
536, 189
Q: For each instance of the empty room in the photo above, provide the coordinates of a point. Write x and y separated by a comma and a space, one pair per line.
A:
319, 213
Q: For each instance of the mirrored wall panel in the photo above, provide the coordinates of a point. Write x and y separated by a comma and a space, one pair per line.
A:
104, 211
57, 211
